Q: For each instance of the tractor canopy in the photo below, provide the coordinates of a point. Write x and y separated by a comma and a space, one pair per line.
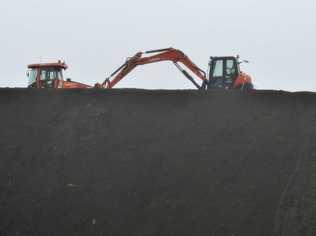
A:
45, 72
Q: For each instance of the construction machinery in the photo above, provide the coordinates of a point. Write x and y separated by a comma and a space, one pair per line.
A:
223, 72
50, 75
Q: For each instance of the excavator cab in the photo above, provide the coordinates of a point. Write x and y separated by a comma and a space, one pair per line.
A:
49, 75
223, 72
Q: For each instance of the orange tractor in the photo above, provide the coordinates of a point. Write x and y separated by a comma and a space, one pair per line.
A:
223, 72
50, 75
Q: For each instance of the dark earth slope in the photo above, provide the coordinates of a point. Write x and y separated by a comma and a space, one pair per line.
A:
149, 163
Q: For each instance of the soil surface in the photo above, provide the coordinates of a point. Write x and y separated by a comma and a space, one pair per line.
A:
157, 163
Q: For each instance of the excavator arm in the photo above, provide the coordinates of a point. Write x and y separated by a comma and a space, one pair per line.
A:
169, 54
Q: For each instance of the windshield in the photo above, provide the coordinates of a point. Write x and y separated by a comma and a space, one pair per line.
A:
32, 76
51, 74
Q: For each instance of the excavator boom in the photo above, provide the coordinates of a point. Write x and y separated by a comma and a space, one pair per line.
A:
168, 54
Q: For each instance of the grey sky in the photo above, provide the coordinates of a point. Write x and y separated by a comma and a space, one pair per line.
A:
94, 37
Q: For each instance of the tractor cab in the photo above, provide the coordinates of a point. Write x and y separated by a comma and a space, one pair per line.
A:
225, 73
46, 75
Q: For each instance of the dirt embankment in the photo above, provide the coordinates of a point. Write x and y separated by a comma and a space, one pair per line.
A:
149, 163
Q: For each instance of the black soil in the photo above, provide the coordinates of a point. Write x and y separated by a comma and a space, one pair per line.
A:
149, 163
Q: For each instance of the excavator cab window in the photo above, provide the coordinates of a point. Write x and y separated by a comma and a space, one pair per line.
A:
231, 68
223, 72
218, 70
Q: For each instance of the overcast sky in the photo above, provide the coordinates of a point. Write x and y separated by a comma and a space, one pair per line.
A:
95, 37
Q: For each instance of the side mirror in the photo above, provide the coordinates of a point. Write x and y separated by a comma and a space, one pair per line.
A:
243, 61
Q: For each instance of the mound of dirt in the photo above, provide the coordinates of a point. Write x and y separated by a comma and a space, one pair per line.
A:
149, 163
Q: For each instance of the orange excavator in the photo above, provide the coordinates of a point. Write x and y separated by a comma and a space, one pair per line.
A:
224, 72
